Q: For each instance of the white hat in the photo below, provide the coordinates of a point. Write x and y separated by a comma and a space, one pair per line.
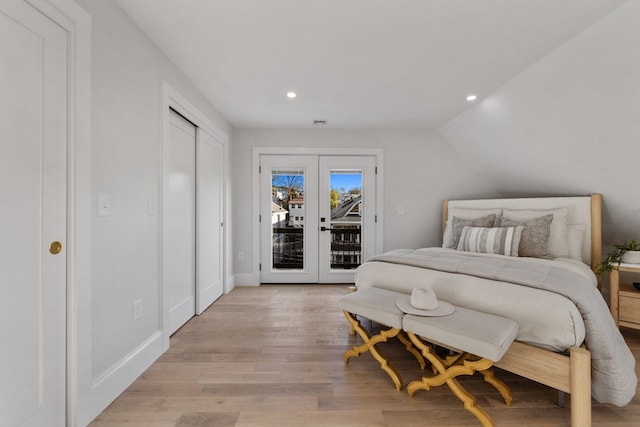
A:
423, 302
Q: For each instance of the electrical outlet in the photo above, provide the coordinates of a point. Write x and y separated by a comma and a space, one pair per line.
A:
137, 309
240, 256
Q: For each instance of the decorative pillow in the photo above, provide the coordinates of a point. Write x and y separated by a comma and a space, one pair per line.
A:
534, 240
468, 213
558, 236
496, 240
576, 239
457, 224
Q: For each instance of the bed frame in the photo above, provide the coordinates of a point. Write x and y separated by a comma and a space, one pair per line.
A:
567, 373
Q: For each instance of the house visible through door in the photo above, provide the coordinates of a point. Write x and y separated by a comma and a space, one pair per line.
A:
317, 217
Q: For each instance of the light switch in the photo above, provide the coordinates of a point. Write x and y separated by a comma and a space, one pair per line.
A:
104, 205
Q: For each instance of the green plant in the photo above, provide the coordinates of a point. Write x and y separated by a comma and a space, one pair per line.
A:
615, 256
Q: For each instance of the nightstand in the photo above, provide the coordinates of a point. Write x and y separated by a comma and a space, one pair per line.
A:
624, 298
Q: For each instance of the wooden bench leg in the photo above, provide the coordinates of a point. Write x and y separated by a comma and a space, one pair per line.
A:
411, 349
369, 345
488, 374
447, 373
498, 384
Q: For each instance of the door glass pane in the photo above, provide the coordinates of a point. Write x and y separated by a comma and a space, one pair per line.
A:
346, 218
287, 219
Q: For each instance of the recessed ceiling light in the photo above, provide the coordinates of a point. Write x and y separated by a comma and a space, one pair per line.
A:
472, 97
320, 122
291, 95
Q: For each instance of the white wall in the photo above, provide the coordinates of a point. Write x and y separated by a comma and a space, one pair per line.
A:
127, 75
569, 124
420, 169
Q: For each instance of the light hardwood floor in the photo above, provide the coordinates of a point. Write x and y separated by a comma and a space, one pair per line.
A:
272, 356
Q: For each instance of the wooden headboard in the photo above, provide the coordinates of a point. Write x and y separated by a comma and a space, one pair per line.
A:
585, 210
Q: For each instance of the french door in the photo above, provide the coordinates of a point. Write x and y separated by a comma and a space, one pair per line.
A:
317, 217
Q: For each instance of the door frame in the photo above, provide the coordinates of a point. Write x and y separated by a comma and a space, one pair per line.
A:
172, 99
378, 153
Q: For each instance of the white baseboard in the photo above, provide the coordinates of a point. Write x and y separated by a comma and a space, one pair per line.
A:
110, 384
247, 279
230, 284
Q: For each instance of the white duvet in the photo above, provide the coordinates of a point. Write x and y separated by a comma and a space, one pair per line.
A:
555, 302
546, 319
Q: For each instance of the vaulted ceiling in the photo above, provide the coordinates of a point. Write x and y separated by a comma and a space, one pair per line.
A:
557, 80
358, 64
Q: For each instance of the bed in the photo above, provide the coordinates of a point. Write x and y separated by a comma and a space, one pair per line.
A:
567, 338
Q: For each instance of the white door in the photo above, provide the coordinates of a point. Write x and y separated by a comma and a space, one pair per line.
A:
33, 152
317, 217
209, 220
179, 239
347, 215
289, 219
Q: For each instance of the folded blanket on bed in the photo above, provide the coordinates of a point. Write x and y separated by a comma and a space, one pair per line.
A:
612, 363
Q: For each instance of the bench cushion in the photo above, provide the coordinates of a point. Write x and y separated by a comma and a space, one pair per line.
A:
378, 305
482, 334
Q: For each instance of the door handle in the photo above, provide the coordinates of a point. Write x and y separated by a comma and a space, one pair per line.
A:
326, 228
55, 247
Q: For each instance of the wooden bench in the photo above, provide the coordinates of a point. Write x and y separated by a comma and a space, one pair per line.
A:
377, 305
479, 340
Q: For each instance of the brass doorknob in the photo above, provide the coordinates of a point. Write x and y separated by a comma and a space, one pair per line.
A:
55, 247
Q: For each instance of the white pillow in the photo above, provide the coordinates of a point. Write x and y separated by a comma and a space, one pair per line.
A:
496, 240
466, 213
457, 224
575, 240
558, 236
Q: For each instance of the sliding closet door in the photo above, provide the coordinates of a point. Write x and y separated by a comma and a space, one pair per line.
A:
179, 239
209, 220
